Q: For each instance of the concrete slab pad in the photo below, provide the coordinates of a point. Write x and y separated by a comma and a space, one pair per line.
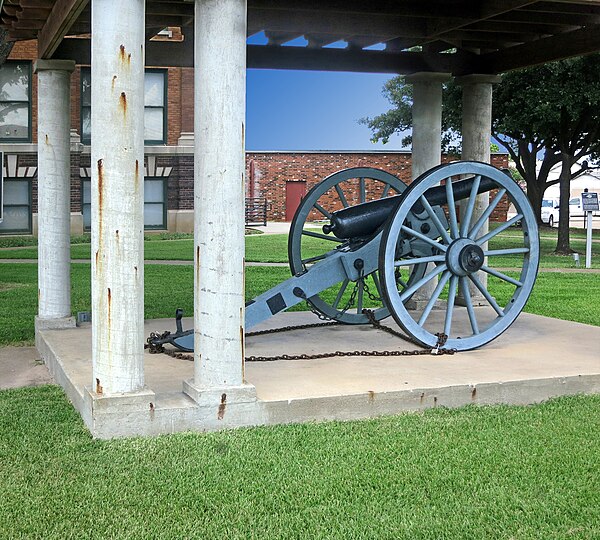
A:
537, 358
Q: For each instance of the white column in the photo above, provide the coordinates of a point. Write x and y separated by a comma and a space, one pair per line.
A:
54, 193
117, 196
476, 140
219, 107
426, 143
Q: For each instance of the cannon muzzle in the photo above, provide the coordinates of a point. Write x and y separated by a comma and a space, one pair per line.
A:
364, 219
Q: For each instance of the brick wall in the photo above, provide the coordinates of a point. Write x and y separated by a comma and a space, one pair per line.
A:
173, 105
271, 171
187, 100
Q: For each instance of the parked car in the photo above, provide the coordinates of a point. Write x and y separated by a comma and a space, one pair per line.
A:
550, 211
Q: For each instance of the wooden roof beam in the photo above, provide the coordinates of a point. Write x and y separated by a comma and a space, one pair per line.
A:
168, 8
488, 9
61, 18
564, 8
298, 21
542, 17
569, 44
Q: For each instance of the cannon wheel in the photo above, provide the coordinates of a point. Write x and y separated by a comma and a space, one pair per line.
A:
458, 257
339, 190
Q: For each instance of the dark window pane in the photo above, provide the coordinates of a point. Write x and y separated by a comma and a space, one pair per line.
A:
154, 191
14, 82
86, 210
14, 121
86, 88
16, 218
86, 123
153, 124
16, 192
154, 89
153, 215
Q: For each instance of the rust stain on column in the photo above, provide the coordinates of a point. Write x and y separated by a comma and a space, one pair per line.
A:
98, 387
47, 139
122, 53
221, 411
137, 175
114, 79
197, 264
109, 306
100, 199
123, 104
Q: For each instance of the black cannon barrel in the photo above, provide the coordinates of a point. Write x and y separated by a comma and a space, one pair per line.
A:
364, 219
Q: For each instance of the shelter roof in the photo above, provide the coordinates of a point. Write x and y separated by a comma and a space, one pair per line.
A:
455, 36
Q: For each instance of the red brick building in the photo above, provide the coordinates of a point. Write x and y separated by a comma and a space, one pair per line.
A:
169, 159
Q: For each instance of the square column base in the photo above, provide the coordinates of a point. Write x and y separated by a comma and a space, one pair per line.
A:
54, 324
41, 325
212, 396
115, 415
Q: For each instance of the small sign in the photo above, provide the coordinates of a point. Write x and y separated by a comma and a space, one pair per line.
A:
589, 202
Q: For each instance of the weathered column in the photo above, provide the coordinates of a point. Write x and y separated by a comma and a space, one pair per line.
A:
219, 112
426, 143
476, 140
117, 196
54, 194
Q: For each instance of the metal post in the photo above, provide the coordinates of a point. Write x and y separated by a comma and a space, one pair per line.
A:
219, 174
588, 243
426, 144
54, 191
117, 196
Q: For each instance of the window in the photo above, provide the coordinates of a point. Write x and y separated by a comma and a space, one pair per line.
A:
17, 206
155, 203
155, 106
15, 102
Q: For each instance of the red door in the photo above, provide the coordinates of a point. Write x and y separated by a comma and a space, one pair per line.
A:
294, 193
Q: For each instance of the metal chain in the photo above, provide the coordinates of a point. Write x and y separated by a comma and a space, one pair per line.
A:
438, 349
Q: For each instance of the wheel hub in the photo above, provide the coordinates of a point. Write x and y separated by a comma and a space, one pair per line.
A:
464, 257
471, 258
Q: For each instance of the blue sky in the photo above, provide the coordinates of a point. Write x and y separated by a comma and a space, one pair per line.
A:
310, 110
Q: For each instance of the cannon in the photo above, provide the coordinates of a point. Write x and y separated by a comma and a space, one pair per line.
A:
383, 241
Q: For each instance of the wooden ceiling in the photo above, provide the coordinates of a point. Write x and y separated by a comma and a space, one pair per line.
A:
455, 36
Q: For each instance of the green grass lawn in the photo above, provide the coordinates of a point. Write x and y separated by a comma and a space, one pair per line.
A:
565, 296
472, 473
273, 249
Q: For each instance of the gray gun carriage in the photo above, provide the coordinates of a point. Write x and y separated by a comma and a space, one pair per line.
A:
383, 252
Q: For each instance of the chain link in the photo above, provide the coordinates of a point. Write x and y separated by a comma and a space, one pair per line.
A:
153, 348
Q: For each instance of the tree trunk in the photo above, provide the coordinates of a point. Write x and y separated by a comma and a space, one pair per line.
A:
535, 194
563, 245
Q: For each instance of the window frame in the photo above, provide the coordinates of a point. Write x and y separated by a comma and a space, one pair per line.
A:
165, 204
29, 230
28, 138
164, 108
150, 142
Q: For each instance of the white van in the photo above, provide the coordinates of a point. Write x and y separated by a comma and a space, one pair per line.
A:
550, 212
